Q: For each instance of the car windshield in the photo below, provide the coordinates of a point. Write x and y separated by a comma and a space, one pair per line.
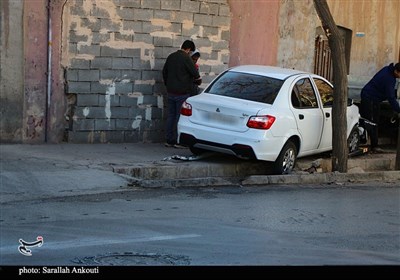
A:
246, 86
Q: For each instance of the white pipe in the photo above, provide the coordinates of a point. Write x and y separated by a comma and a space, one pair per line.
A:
49, 53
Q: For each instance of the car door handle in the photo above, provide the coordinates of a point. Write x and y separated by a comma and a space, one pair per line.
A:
301, 116
327, 115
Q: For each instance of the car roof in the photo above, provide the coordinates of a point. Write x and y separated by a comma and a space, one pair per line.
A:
270, 71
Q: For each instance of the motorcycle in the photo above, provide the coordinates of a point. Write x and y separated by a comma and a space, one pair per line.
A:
365, 126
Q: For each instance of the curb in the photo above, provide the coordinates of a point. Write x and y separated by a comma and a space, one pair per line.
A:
311, 170
256, 180
323, 178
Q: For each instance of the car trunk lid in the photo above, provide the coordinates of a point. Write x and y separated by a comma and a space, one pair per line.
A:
223, 112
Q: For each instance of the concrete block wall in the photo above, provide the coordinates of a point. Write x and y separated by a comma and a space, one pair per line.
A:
113, 55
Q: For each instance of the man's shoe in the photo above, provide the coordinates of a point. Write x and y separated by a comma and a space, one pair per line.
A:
179, 146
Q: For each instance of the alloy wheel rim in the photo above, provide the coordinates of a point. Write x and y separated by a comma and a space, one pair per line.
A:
288, 161
353, 142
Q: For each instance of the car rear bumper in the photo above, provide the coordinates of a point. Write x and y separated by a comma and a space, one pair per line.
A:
243, 145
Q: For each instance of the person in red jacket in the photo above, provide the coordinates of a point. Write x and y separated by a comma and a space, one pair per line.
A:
195, 57
380, 88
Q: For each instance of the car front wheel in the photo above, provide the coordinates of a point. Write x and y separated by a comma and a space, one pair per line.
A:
286, 160
353, 142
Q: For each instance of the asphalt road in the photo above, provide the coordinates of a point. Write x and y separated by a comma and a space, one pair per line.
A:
337, 224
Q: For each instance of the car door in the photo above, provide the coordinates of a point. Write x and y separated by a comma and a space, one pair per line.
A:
325, 91
308, 115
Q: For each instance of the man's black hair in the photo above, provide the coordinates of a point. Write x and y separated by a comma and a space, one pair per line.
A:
397, 66
188, 45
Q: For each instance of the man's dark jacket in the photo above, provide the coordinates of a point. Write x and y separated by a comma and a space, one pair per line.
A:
381, 87
179, 73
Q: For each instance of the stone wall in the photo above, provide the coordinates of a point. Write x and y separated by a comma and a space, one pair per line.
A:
113, 54
11, 72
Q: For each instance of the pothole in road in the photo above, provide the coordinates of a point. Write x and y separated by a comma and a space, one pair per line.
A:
133, 258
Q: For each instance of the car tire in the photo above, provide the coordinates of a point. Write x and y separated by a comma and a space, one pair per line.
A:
286, 160
353, 142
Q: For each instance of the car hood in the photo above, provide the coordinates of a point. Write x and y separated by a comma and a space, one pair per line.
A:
223, 112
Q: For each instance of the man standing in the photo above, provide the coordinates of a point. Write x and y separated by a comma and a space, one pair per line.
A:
178, 72
380, 88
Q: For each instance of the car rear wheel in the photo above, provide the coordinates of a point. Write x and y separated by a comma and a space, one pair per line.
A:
286, 160
353, 142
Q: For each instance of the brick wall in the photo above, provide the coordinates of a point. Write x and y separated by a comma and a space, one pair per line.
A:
113, 54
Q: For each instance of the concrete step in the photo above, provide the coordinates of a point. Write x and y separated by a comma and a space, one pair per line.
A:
219, 170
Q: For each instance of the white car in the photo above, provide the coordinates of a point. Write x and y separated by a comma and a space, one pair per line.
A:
265, 113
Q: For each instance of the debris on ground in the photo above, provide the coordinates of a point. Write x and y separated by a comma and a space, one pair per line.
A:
189, 158
315, 167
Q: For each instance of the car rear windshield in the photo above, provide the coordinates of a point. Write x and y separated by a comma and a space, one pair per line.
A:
246, 86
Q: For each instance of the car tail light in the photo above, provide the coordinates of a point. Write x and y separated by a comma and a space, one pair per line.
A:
261, 122
186, 109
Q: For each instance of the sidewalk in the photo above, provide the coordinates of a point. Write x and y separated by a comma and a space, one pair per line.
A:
154, 165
